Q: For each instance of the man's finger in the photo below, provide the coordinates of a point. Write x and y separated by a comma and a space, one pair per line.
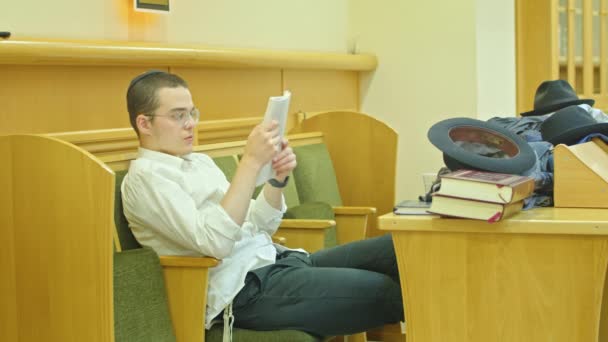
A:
273, 124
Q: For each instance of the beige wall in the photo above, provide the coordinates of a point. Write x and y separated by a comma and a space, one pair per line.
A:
496, 87
427, 72
304, 25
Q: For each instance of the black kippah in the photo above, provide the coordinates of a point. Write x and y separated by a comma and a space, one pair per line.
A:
142, 76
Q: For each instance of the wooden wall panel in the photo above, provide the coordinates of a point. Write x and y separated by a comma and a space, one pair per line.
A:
315, 91
231, 93
41, 99
536, 49
62, 86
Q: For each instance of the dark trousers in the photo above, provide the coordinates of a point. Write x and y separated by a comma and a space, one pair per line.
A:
337, 291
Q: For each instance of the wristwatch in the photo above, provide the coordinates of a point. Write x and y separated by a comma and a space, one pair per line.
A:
278, 184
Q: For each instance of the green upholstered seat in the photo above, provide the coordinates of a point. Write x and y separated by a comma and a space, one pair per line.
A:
315, 176
316, 183
296, 210
141, 312
228, 165
291, 193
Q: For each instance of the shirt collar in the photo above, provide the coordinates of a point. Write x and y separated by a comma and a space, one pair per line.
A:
164, 158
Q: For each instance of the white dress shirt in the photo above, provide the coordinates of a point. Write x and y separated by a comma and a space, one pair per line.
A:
173, 206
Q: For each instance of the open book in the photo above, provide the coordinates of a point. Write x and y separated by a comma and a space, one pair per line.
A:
277, 109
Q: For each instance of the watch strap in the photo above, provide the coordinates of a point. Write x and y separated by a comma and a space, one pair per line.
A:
278, 184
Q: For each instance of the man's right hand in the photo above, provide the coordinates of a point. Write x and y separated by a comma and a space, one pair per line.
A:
261, 147
262, 144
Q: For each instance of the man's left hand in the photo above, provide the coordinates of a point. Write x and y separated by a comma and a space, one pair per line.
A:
284, 162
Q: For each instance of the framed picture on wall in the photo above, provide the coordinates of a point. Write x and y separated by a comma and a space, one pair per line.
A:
158, 6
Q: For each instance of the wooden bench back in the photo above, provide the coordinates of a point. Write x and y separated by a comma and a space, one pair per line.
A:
56, 233
120, 161
299, 233
363, 151
114, 141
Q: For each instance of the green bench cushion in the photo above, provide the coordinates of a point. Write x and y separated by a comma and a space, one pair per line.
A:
315, 176
228, 165
140, 301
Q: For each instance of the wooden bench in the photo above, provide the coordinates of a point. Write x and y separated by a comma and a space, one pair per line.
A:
116, 148
57, 261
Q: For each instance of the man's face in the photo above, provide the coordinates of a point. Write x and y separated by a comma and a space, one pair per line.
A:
165, 133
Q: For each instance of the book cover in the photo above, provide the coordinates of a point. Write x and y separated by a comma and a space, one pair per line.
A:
277, 109
412, 207
473, 209
486, 186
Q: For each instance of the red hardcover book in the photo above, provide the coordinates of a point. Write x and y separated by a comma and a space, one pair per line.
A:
473, 209
486, 186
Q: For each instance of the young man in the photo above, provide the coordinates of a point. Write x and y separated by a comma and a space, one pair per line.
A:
180, 203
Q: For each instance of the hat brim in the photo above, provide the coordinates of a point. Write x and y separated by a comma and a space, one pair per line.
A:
555, 107
573, 136
456, 157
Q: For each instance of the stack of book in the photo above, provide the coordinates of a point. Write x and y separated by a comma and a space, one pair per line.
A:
480, 195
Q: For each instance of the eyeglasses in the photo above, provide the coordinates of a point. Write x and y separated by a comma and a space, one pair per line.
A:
182, 117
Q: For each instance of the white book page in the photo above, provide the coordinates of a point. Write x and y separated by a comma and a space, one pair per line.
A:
277, 109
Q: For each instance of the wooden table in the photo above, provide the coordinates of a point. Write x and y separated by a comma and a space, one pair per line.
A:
538, 276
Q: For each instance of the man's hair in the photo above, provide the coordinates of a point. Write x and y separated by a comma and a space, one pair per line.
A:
142, 94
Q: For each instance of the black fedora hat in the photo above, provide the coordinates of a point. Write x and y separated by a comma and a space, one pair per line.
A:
569, 125
554, 95
514, 154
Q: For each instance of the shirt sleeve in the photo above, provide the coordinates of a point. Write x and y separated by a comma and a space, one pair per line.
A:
264, 216
161, 205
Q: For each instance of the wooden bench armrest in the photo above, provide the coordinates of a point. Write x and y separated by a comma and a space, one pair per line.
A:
306, 234
351, 223
186, 284
307, 224
354, 210
187, 261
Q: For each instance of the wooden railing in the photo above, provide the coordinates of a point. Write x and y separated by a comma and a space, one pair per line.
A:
585, 69
124, 140
69, 85
115, 53
562, 39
